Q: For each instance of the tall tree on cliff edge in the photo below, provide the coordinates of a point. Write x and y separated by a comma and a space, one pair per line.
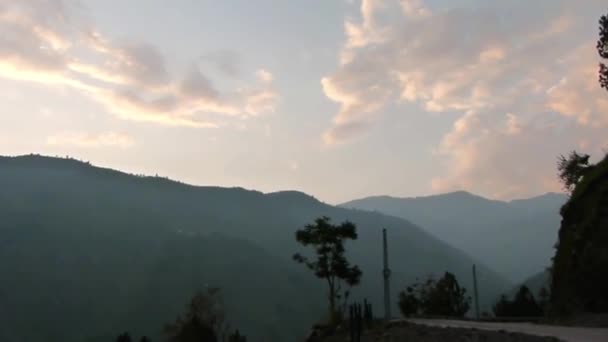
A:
602, 49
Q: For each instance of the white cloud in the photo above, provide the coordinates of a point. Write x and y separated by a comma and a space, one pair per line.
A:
524, 84
264, 75
260, 101
87, 140
42, 43
367, 32
414, 8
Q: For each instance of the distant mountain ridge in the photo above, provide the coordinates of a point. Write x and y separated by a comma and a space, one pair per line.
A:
535, 283
515, 237
88, 252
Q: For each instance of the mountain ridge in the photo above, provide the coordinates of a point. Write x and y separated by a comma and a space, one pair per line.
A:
514, 237
458, 194
65, 217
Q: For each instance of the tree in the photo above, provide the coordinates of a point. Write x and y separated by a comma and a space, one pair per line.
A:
523, 305
408, 302
502, 308
330, 262
543, 298
578, 278
443, 297
578, 274
124, 337
447, 298
144, 339
602, 49
237, 337
572, 168
203, 321
526, 304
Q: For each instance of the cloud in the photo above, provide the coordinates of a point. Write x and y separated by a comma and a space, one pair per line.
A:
87, 140
259, 101
264, 76
414, 8
44, 42
226, 61
366, 32
577, 94
524, 85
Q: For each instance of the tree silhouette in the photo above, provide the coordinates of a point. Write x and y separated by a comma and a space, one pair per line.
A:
203, 321
572, 168
578, 274
602, 48
409, 304
443, 297
237, 337
144, 339
578, 277
503, 307
447, 298
523, 305
330, 263
124, 337
543, 298
525, 301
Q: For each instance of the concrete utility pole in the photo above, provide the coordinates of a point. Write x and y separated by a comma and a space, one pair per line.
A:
387, 275
475, 293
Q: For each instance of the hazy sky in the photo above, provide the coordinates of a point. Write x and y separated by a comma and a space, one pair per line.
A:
340, 99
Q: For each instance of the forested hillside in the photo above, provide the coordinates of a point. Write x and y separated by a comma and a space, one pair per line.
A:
579, 276
87, 252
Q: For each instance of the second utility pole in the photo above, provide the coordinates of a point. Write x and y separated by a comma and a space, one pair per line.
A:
475, 293
387, 275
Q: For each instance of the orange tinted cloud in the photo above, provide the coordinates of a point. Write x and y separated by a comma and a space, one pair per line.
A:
525, 86
40, 43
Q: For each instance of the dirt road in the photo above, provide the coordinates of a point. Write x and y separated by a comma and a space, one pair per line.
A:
568, 334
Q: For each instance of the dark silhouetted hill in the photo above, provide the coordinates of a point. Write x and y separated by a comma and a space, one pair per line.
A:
87, 252
579, 273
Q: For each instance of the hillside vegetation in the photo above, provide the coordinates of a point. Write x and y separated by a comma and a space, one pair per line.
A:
579, 276
86, 253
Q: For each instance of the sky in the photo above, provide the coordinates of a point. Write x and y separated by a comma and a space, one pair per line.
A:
340, 99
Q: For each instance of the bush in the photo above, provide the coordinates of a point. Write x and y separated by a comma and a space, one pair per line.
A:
523, 305
443, 297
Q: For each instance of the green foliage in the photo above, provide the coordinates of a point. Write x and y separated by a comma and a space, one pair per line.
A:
237, 337
87, 252
409, 304
446, 298
602, 49
572, 168
579, 277
125, 337
330, 262
443, 297
204, 319
543, 298
523, 305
